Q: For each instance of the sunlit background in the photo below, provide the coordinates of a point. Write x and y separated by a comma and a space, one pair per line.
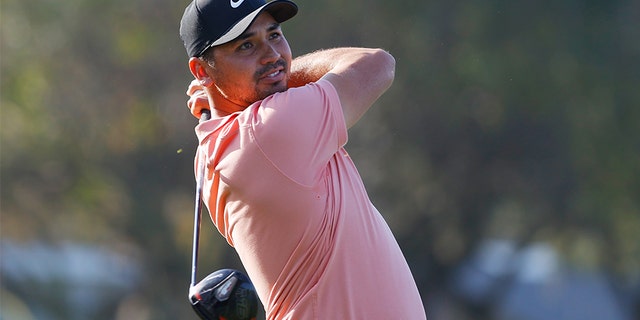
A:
506, 156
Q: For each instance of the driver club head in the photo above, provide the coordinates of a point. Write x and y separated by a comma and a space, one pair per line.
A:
224, 294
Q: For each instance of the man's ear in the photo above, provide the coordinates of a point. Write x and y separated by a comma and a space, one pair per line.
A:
199, 71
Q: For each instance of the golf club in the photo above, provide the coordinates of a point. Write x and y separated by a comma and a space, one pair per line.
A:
224, 294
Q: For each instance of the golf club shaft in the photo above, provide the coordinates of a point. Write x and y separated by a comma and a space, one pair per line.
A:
206, 115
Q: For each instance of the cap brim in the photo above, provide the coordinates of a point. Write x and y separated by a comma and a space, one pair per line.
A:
281, 10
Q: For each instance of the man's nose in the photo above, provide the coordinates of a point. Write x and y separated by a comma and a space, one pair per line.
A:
270, 54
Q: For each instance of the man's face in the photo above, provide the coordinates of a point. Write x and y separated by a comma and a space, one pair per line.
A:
255, 65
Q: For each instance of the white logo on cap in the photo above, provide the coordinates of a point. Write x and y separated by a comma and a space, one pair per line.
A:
236, 3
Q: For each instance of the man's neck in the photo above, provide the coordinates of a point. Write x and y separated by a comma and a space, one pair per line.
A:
221, 106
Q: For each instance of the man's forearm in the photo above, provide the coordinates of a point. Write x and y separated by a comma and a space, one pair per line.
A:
359, 75
313, 66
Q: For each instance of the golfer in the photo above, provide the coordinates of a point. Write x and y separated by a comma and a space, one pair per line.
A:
279, 185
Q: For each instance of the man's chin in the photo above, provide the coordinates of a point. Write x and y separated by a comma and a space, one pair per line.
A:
273, 90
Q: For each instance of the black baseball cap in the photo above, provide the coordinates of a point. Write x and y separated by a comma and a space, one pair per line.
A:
208, 23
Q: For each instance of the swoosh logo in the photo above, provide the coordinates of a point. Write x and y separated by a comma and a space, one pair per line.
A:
236, 3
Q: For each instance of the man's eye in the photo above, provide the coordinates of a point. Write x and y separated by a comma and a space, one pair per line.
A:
246, 46
274, 35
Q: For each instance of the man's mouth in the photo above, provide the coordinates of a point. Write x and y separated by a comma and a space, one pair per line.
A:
273, 74
272, 71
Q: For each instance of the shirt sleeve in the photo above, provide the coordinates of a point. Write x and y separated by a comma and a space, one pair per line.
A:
300, 129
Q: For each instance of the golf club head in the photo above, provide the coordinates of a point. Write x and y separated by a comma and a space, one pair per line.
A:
224, 294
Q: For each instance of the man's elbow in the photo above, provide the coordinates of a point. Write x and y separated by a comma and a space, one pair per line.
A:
387, 64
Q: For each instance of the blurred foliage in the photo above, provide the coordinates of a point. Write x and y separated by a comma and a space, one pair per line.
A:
511, 120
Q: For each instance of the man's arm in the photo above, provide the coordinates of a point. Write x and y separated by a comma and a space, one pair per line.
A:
360, 76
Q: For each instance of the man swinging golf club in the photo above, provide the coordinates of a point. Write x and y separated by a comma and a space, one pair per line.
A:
277, 181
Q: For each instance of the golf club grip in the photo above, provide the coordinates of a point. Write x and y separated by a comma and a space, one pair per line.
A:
206, 115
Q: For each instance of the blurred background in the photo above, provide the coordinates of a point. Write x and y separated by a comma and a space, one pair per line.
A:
505, 157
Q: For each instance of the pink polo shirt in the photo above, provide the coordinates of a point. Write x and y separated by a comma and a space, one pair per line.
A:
285, 194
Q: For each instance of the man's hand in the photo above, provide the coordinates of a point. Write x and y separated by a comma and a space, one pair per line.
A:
198, 99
